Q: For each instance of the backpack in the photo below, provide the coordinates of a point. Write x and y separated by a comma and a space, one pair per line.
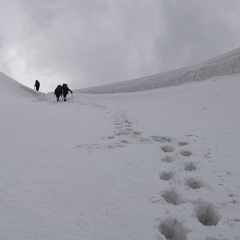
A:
65, 86
58, 90
59, 87
65, 89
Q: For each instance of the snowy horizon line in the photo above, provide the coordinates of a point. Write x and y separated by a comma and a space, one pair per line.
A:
221, 65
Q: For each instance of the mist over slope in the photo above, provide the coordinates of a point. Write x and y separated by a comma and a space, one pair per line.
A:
225, 64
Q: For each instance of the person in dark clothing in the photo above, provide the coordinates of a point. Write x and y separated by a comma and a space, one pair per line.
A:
37, 85
65, 91
58, 92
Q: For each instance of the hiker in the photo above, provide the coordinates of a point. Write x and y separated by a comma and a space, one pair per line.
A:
65, 90
58, 92
37, 85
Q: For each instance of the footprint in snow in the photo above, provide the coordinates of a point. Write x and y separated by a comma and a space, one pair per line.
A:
122, 132
190, 166
167, 148
167, 159
165, 176
180, 144
172, 197
186, 153
173, 229
136, 133
110, 137
207, 214
194, 183
161, 139
127, 121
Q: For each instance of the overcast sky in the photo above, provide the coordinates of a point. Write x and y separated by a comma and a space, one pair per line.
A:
93, 42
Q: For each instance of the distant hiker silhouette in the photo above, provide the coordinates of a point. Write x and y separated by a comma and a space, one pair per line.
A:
37, 85
65, 91
58, 92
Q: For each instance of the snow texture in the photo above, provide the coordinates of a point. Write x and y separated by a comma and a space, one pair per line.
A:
156, 164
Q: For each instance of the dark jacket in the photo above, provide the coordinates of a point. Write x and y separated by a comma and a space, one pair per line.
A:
65, 90
58, 91
37, 85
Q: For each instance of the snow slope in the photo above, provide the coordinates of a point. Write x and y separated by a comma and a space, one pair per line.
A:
157, 164
12, 87
226, 64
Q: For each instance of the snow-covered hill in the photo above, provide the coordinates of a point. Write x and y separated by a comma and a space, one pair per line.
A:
157, 164
222, 65
12, 87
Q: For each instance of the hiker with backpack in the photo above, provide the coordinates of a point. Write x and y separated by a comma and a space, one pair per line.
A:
65, 91
37, 85
58, 92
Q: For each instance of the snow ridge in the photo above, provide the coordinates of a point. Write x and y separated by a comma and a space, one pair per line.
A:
226, 64
12, 87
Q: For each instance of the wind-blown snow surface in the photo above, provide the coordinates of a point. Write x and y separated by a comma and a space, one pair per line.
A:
225, 64
159, 164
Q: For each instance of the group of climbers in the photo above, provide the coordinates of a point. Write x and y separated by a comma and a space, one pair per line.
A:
60, 91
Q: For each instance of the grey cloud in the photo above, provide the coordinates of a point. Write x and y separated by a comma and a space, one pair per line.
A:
92, 47
193, 31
